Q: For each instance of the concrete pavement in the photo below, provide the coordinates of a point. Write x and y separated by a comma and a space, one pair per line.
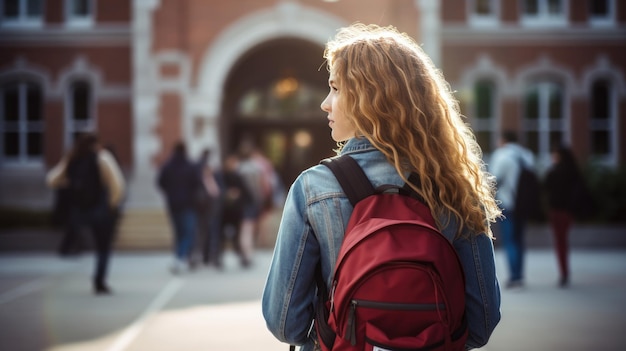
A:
46, 304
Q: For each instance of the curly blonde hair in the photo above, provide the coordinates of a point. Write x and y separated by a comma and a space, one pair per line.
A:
397, 99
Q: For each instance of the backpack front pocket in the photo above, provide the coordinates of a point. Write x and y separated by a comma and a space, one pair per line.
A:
431, 338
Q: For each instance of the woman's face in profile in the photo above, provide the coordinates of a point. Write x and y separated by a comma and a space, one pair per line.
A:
341, 128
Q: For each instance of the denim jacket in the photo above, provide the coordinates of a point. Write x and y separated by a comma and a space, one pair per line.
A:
314, 219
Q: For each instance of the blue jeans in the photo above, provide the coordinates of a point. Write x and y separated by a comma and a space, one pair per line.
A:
184, 222
512, 230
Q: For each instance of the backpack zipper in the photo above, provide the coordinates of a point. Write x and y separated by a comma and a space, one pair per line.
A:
352, 323
400, 306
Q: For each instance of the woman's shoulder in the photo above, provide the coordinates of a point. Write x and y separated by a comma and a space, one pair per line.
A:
316, 183
315, 177
320, 180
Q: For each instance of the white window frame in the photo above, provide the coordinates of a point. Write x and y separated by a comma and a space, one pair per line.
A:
72, 125
543, 125
74, 20
483, 20
608, 125
487, 124
544, 18
485, 69
22, 126
604, 21
23, 20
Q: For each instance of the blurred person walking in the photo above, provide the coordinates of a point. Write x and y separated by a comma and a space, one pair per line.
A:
95, 190
506, 165
236, 200
180, 181
257, 172
568, 197
208, 206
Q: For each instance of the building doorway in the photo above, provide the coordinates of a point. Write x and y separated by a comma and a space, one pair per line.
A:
272, 98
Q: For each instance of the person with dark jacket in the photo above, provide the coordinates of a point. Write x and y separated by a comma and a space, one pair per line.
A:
236, 198
560, 185
94, 188
180, 180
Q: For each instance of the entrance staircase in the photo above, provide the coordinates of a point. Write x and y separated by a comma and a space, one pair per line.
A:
150, 229
144, 229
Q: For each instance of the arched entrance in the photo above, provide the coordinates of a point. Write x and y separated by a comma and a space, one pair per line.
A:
272, 97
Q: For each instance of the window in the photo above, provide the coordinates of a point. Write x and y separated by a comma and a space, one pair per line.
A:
542, 7
601, 12
483, 7
483, 12
599, 8
484, 114
79, 12
602, 115
21, 13
80, 110
544, 13
544, 117
484, 99
21, 121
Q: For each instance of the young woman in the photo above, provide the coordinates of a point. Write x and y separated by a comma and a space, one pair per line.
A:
96, 188
392, 111
562, 185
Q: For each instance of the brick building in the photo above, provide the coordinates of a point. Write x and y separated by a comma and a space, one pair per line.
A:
552, 70
65, 68
146, 73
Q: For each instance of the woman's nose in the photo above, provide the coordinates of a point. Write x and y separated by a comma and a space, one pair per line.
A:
325, 106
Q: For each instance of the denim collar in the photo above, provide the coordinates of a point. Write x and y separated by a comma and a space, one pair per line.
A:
356, 145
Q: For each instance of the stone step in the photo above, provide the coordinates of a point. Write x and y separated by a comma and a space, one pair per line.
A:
151, 229
147, 229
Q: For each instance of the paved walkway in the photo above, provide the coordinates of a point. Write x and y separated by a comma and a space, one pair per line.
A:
46, 304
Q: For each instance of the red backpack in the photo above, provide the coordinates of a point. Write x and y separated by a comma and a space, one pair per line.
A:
398, 283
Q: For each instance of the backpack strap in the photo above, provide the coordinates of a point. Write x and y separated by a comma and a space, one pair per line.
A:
351, 177
357, 186
407, 190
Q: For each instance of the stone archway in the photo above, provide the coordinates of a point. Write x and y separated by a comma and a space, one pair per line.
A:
201, 101
283, 20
